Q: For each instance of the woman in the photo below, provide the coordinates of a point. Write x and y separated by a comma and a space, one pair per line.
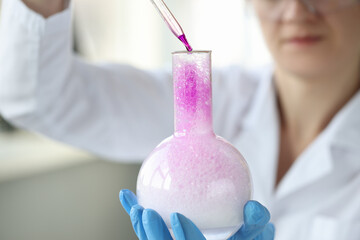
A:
302, 114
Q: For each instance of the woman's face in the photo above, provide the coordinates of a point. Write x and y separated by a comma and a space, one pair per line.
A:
311, 44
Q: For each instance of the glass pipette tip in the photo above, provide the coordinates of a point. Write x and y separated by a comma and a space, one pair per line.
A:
171, 22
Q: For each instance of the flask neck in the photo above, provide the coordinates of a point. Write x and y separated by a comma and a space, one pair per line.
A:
192, 93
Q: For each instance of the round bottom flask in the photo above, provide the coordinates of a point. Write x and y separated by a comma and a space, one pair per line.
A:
194, 172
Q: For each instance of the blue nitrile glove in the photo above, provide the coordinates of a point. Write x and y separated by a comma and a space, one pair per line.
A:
148, 224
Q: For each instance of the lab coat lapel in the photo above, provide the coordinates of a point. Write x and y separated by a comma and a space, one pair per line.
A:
314, 163
345, 139
259, 143
338, 144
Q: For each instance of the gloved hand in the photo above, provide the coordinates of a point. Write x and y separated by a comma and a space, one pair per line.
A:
148, 224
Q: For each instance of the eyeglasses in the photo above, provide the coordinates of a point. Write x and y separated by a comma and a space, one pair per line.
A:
275, 8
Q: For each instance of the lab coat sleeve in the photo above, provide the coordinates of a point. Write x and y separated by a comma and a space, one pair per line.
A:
115, 111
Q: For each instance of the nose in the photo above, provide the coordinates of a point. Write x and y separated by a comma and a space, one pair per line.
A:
297, 10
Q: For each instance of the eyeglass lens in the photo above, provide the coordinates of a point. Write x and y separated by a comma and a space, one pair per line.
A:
275, 8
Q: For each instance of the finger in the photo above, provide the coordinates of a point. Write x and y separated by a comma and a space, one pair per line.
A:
154, 226
136, 213
256, 216
268, 233
184, 229
127, 199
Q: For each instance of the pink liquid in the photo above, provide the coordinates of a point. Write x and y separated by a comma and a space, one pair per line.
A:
192, 95
195, 172
183, 39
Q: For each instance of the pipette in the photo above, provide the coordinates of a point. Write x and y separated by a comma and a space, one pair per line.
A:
171, 22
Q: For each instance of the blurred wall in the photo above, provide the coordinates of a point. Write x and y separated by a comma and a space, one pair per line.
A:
77, 203
133, 31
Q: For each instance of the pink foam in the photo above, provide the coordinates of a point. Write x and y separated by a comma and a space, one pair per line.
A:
195, 172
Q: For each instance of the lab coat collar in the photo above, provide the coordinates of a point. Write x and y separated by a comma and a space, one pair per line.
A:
345, 131
338, 145
262, 126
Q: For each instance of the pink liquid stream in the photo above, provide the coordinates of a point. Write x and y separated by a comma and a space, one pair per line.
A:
183, 39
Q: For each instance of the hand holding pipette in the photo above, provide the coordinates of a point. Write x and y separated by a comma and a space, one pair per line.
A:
171, 22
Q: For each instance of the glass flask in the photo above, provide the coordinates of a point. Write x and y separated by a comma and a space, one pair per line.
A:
195, 172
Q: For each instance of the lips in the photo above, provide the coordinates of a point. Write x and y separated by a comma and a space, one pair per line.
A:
303, 40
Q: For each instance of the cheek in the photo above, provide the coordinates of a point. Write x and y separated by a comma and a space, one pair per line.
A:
346, 30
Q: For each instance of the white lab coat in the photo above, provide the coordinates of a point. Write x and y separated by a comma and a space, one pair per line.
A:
121, 113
